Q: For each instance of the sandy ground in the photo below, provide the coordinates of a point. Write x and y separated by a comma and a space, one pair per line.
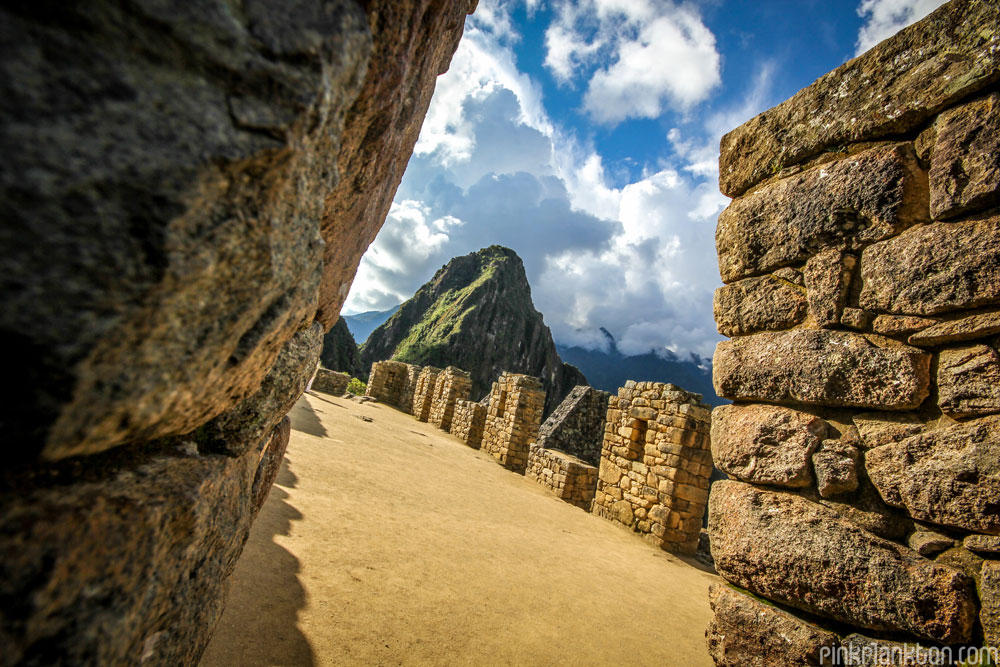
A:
388, 542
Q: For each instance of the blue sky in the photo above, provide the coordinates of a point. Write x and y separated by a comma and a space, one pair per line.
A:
584, 135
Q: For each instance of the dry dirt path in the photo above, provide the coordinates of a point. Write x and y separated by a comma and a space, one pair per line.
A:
390, 543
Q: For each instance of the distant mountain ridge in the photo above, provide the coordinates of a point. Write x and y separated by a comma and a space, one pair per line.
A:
476, 313
363, 324
340, 352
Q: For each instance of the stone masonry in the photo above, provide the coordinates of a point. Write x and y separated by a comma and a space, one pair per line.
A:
656, 464
468, 421
391, 382
861, 261
330, 382
570, 478
577, 425
452, 385
423, 393
513, 418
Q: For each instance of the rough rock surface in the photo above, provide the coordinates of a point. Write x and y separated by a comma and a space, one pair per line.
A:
985, 544
948, 476
413, 43
968, 380
832, 368
989, 591
934, 268
766, 444
828, 275
92, 572
862, 651
900, 325
577, 425
161, 199
807, 556
749, 633
340, 352
975, 326
965, 159
929, 542
476, 313
758, 304
882, 428
892, 89
836, 466
846, 202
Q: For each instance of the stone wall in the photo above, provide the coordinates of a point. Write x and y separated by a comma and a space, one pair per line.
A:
577, 425
513, 418
169, 179
330, 382
392, 383
452, 384
468, 422
656, 464
423, 393
862, 266
570, 478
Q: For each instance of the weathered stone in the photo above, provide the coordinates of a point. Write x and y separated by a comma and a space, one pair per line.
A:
758, 304
882, 428
832, 368
989, 592
330, 382
855, 318
980, 325
965, 159
132, 559
927, 542
848, 203
986, 544
766, 444
836, 466
859, 651
866, 509
828, 275
968, 380
748, 633
901, 325
891, 90
963, 560
381, 129
934, 268
577, 425
793, 276
802, 554
948, 476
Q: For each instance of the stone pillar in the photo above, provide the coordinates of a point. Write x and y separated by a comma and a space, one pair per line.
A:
409, 388
656, 464
452, 384
861, 261
468, 421
387, 382
423, 393
513, 418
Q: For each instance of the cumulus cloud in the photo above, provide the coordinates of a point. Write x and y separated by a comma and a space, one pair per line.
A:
884, 18
639, 57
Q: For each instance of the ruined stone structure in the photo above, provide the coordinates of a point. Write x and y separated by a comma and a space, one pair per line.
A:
468, 422
423, 393
577, 425
330, 382
861, 257
570, 478
168, 179
453, 384
393, 383
656, 464
513, 418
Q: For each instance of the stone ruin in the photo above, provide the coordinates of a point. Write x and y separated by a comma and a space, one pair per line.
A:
565, 475
393, 383
468, 422
453, 384
656, 464
330, 382
423, 393
861, 261
576, 427
513, 418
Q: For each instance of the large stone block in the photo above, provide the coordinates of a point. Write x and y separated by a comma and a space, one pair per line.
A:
948, 476
802, 554
834, 368
851, 202
766, 444
758, 304
746, 632
934, 268
971, 327
828, 275
892, 89
965, 159
968, 380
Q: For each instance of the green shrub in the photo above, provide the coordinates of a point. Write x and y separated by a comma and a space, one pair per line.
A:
356, 386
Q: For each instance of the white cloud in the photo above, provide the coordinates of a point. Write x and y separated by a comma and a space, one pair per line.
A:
884, 18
